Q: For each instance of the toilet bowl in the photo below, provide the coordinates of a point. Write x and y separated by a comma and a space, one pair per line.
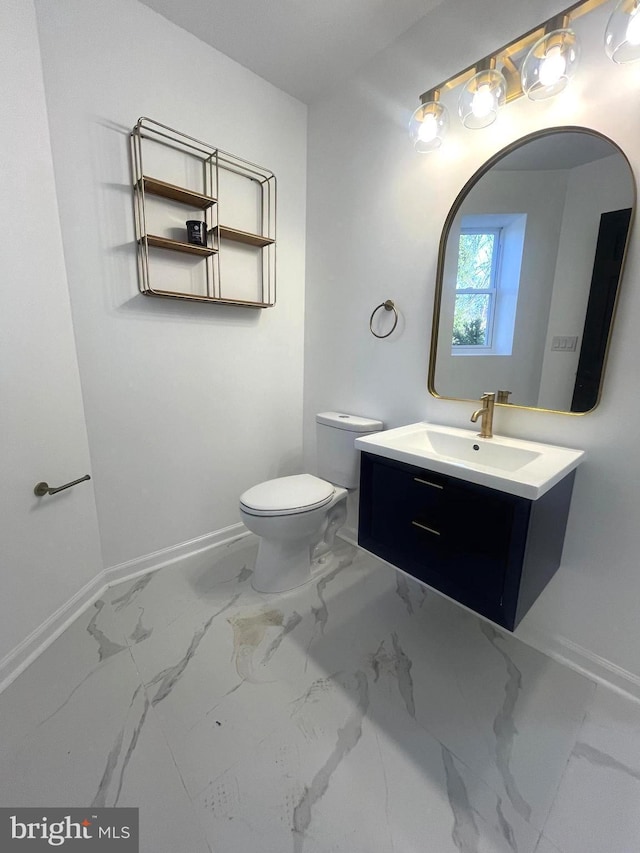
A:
297, 517
291, 515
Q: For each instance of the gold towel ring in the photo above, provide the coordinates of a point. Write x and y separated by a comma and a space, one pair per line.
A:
388, 306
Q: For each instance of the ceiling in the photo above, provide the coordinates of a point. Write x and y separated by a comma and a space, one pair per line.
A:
303, 47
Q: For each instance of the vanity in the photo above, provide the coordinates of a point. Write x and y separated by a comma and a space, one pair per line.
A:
480, 520
529, 265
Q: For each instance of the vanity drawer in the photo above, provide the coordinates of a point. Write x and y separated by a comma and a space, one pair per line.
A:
453, 535
406, 507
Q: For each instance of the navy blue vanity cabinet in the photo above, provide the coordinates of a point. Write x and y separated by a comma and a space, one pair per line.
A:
490, 550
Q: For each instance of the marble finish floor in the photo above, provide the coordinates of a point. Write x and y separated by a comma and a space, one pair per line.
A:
360, 713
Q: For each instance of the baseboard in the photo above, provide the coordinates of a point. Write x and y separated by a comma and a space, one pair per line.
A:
19, 658
159, 559
582, 660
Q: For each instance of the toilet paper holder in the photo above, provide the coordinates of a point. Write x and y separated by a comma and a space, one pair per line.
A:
42, 489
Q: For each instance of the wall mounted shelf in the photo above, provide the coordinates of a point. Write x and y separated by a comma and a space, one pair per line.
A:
179, 194
169, 294
244, 237
201, 182
177, 245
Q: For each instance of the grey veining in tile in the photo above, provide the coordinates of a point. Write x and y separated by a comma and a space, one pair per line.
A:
321, 613
403, 673
168, 678
602, 759
402, 591
397, 664
596, 807
505, 826
100, 799
106, 786
545, 846
127, 597
140, 633
292, 622
347, 737
106, 646
465, 832
504, 726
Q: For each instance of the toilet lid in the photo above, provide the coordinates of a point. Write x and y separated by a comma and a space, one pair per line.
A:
298, 493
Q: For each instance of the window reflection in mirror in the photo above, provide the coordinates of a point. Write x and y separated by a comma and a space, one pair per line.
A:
486, 283
530, 261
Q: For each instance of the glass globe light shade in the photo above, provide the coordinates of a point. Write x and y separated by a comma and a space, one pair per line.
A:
428, 126
550, 64
622, 36
481, 99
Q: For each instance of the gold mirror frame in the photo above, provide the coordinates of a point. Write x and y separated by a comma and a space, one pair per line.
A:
453, 212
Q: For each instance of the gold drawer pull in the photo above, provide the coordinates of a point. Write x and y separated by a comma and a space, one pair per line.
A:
424, 527
427, 483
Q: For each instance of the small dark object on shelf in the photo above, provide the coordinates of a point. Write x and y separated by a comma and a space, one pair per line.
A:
196, 232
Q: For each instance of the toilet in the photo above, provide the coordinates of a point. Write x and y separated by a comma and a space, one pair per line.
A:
298, 515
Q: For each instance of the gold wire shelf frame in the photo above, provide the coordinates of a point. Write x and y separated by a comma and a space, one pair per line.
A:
205, 199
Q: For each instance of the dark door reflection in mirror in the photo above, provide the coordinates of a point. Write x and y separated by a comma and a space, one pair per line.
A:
530, 262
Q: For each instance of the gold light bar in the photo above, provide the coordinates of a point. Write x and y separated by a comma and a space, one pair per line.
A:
504, 56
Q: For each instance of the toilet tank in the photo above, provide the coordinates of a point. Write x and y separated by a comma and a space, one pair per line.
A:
338, 459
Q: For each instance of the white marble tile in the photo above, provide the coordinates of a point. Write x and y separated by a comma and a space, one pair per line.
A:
460, 811
199, 658
195, 585
597, 807
507, 711
48, 684
104, 747
358, 713
341, 775
220, 685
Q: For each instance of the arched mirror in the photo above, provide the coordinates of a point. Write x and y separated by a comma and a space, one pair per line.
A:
530, 262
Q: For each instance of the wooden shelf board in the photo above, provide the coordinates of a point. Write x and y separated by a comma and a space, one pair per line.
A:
170, 294
177, 246
175, 193
244, 236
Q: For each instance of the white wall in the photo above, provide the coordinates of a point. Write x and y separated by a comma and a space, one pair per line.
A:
186, 405
376, 211
606, 180
49, 547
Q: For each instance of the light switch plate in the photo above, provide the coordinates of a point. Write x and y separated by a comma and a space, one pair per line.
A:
564, 343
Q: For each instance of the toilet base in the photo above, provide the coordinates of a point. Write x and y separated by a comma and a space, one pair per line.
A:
286, 562
281, 566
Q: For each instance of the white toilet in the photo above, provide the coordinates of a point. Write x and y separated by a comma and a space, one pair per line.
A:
293, 515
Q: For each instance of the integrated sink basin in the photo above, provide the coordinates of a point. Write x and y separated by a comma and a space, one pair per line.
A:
524, 468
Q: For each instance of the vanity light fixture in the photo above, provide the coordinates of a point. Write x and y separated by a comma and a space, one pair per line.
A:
429, 123
622, 36
538, 64
483, 95
551, 62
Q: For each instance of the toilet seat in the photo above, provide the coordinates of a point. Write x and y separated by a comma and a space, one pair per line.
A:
287, 495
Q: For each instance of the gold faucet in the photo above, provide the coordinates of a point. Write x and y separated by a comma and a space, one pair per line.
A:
486, 424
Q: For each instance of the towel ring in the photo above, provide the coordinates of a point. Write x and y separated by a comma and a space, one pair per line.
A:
388, 306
